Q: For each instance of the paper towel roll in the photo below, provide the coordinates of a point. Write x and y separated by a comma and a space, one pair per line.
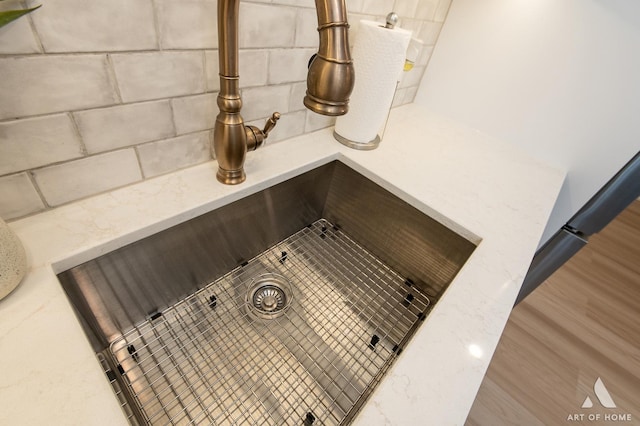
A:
378, 58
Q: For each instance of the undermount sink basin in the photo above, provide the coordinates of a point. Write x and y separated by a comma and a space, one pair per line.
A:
285, 307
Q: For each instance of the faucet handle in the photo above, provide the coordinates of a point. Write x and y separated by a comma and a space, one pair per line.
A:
256, 137
271, 123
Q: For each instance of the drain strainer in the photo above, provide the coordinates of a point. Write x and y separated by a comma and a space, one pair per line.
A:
269, 296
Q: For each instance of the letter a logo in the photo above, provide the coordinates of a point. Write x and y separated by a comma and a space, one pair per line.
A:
602, 394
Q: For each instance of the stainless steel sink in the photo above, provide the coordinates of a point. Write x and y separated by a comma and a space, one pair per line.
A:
283, 308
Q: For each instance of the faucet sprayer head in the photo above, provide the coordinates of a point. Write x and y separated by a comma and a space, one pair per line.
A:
329, 85
331, 76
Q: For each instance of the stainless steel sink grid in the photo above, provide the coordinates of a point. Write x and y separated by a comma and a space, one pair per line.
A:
300, 334
209, 359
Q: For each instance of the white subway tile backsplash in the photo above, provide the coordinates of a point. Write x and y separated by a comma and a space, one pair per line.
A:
188, 24
34, 142
17, 36
145, 76
18, 197
426, 9
306, 28
412, 25
429, 32
412, 78
261, 102
317, 121
398, 97
296, 100
406, 8
354, 6
107, 129
77, 179
289, 65
195, 113
52, 83
98, 26
442, 10
164, 156
377, 7
425, 55
253, 67
411, 94
298, 3
266, 25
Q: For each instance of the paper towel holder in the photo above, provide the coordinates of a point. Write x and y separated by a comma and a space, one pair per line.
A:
391, 22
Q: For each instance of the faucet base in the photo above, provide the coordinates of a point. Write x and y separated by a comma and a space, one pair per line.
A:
230, 177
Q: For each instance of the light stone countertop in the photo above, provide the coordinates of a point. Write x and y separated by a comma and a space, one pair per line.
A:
484, 189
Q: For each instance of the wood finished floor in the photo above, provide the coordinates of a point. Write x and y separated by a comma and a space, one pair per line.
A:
581, 324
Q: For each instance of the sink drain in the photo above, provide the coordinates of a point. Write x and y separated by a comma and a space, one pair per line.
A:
269, 296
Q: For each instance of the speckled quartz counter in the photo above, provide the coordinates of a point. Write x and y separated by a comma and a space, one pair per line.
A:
484, 189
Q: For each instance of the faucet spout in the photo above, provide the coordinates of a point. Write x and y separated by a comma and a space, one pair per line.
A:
329, 84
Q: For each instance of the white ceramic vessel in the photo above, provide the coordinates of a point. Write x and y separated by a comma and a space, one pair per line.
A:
13, 260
